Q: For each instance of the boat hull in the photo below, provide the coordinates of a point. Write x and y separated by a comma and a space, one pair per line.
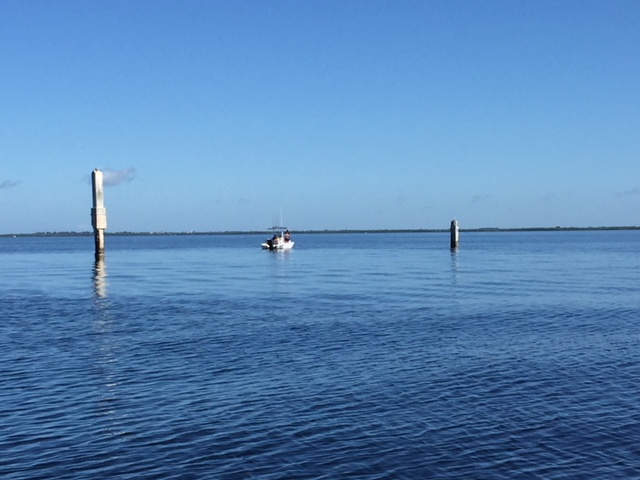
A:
278, 246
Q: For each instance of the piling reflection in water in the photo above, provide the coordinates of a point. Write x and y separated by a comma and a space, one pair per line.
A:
100, 277
454, 259
455, 268
108, 419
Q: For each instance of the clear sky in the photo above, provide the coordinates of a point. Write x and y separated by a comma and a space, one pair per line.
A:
341, 114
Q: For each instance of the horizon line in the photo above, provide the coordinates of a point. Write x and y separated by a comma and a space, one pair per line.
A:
316, 231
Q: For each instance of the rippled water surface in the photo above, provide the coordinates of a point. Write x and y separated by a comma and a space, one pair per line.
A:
375, 356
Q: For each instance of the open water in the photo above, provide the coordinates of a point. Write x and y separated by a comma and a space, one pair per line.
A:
373, 356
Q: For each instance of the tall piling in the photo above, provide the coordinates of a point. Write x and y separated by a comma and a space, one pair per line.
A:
98, 213
455, 234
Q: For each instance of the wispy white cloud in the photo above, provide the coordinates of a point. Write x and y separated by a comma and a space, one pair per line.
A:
116, 177
8, 184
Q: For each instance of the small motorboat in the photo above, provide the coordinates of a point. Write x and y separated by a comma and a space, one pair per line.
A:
279, 242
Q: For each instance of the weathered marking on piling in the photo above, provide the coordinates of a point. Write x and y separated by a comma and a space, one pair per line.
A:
98, 212
455, 234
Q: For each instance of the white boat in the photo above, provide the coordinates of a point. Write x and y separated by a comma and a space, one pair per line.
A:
279, 242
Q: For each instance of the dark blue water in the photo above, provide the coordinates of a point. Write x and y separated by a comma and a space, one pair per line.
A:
374, 356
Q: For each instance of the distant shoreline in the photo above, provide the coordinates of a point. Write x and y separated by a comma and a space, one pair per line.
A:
260, 232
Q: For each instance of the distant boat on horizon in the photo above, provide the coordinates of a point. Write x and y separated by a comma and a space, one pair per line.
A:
278, 242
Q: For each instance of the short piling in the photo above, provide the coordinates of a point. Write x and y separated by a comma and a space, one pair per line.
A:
98, 213
455, 234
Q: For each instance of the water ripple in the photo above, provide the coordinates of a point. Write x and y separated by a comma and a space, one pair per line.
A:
495, 362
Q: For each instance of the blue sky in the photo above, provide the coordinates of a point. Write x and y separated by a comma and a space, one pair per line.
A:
218, 115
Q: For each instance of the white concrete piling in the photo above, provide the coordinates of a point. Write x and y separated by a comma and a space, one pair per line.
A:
98, 212
455, 234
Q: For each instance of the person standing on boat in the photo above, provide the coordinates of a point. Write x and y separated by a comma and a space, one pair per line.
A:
287, 236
